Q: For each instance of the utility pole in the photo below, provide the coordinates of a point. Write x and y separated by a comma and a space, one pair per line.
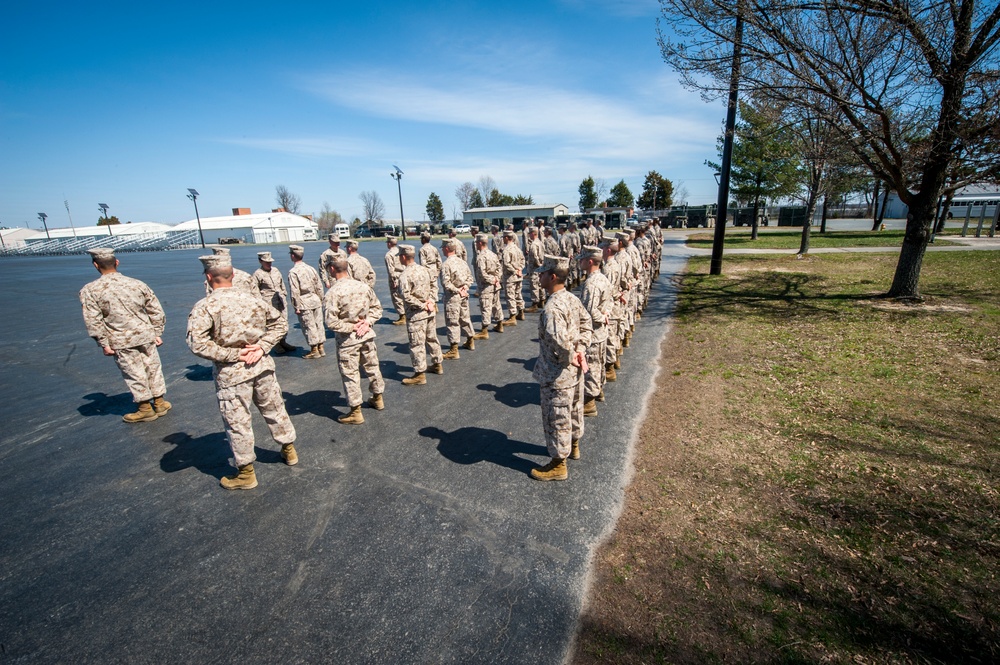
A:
727, 148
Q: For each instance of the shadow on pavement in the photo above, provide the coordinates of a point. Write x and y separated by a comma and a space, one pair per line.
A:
209, 454
514, 395
102, 404
471, 445
392, 371
399, 347
317, 402
199, 373
529, 363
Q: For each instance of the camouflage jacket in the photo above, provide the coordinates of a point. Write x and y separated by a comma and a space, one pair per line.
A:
121, 312
488, 270
596, 299
270, 287
325, 259
430, 258
361, 269
455, 274
415, 289
512, 261
564, 328
347, 302
304, 287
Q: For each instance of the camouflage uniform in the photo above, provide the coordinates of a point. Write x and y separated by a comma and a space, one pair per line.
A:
394, 269
347, 302
534, 258
430, 258
123, 314
455, 275
550, 244
569, 246
512, 261
460, 250
421, 325
496, 243
307, 300
270, 287
564, 328
219, 327
242, 281
596, 299
488, 274
360, 268
325, 259
613, 270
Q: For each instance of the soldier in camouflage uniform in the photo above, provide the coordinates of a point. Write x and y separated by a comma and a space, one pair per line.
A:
236, 331
358, 266
460, 247
328, 256
430, 258
569, 247
597, 300
534, 257
421, 316
269, 286
614, 271
352, 308
126, 320
488, 276
512, 262
564, 333
496, 240
242, 280
456, 278
394, 269
307, 299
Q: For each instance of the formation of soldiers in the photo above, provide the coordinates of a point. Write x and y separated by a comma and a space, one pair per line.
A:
243, 319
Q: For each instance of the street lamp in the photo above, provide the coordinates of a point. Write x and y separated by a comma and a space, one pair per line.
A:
42, 217
398, 177
103, 207
194, 197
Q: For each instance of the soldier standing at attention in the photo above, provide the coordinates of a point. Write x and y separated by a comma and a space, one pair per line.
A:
597, 300
456, 279
268, 284
236, 331
307, 299
421, 316
358, 267
550, 244
327, 257
569, 246
488, 274
242, 280
460, 247
534, 257
126, 320
352, 308
430, 258
496, 240
394, 268
613, 270
512, 262
564, 332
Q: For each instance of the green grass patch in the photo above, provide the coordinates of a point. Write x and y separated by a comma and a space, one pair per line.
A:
739, 238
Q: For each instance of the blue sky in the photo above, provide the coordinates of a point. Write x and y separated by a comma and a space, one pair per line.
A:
130, 104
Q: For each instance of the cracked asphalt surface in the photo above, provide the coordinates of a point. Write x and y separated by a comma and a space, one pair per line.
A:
416, 537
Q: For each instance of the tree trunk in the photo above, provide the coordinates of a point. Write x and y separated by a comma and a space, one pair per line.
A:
876, 222
881, 211
806, 228
756, 207
822, 224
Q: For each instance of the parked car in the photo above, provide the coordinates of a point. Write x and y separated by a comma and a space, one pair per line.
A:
463, 228
362, 232
230, 241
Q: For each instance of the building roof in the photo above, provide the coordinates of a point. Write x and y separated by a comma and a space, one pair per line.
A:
259, 220
92, 231
521, 208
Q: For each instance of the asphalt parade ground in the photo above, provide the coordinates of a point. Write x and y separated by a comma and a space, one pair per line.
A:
417, 537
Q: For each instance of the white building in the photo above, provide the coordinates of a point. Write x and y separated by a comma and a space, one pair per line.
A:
87, 232
12, 238
262, 227
896, 209
503, 215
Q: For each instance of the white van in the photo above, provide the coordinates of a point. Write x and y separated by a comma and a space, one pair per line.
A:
342, 231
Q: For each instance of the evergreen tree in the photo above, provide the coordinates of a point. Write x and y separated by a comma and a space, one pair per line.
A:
657, 192
435, 209
588, 194
621, 196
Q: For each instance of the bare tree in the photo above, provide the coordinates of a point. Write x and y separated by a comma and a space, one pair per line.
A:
911, 86
464, 195
486, 187
287, 200
328, 218
374, 208
681, 193
601, 187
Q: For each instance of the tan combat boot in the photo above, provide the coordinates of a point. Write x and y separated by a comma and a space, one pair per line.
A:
245, 479
143, 414
452, 353
470, 344
590, 407
482, 334
376, 402
313, 352
161, 406
352, 418
436, 368
600, 395
574, 453
512, 321
554, 470
533, 309
322, 351
498, 328
609, 373
289, 455
628, 340
417, 379
520, 315
401, 321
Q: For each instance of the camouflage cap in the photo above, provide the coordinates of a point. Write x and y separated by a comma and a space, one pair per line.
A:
265, 257
509, 234
450, 243
553, 263
215, 261
452, 231
333, 237
407, 250
101, 253
590, 252
482, 237
425, 235
495, 228
611, 242
621, 235
351, 244
297, 250
220, 251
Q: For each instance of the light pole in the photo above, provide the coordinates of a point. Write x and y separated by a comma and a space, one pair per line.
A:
103, 207
193, 195
398, 177
42, 217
